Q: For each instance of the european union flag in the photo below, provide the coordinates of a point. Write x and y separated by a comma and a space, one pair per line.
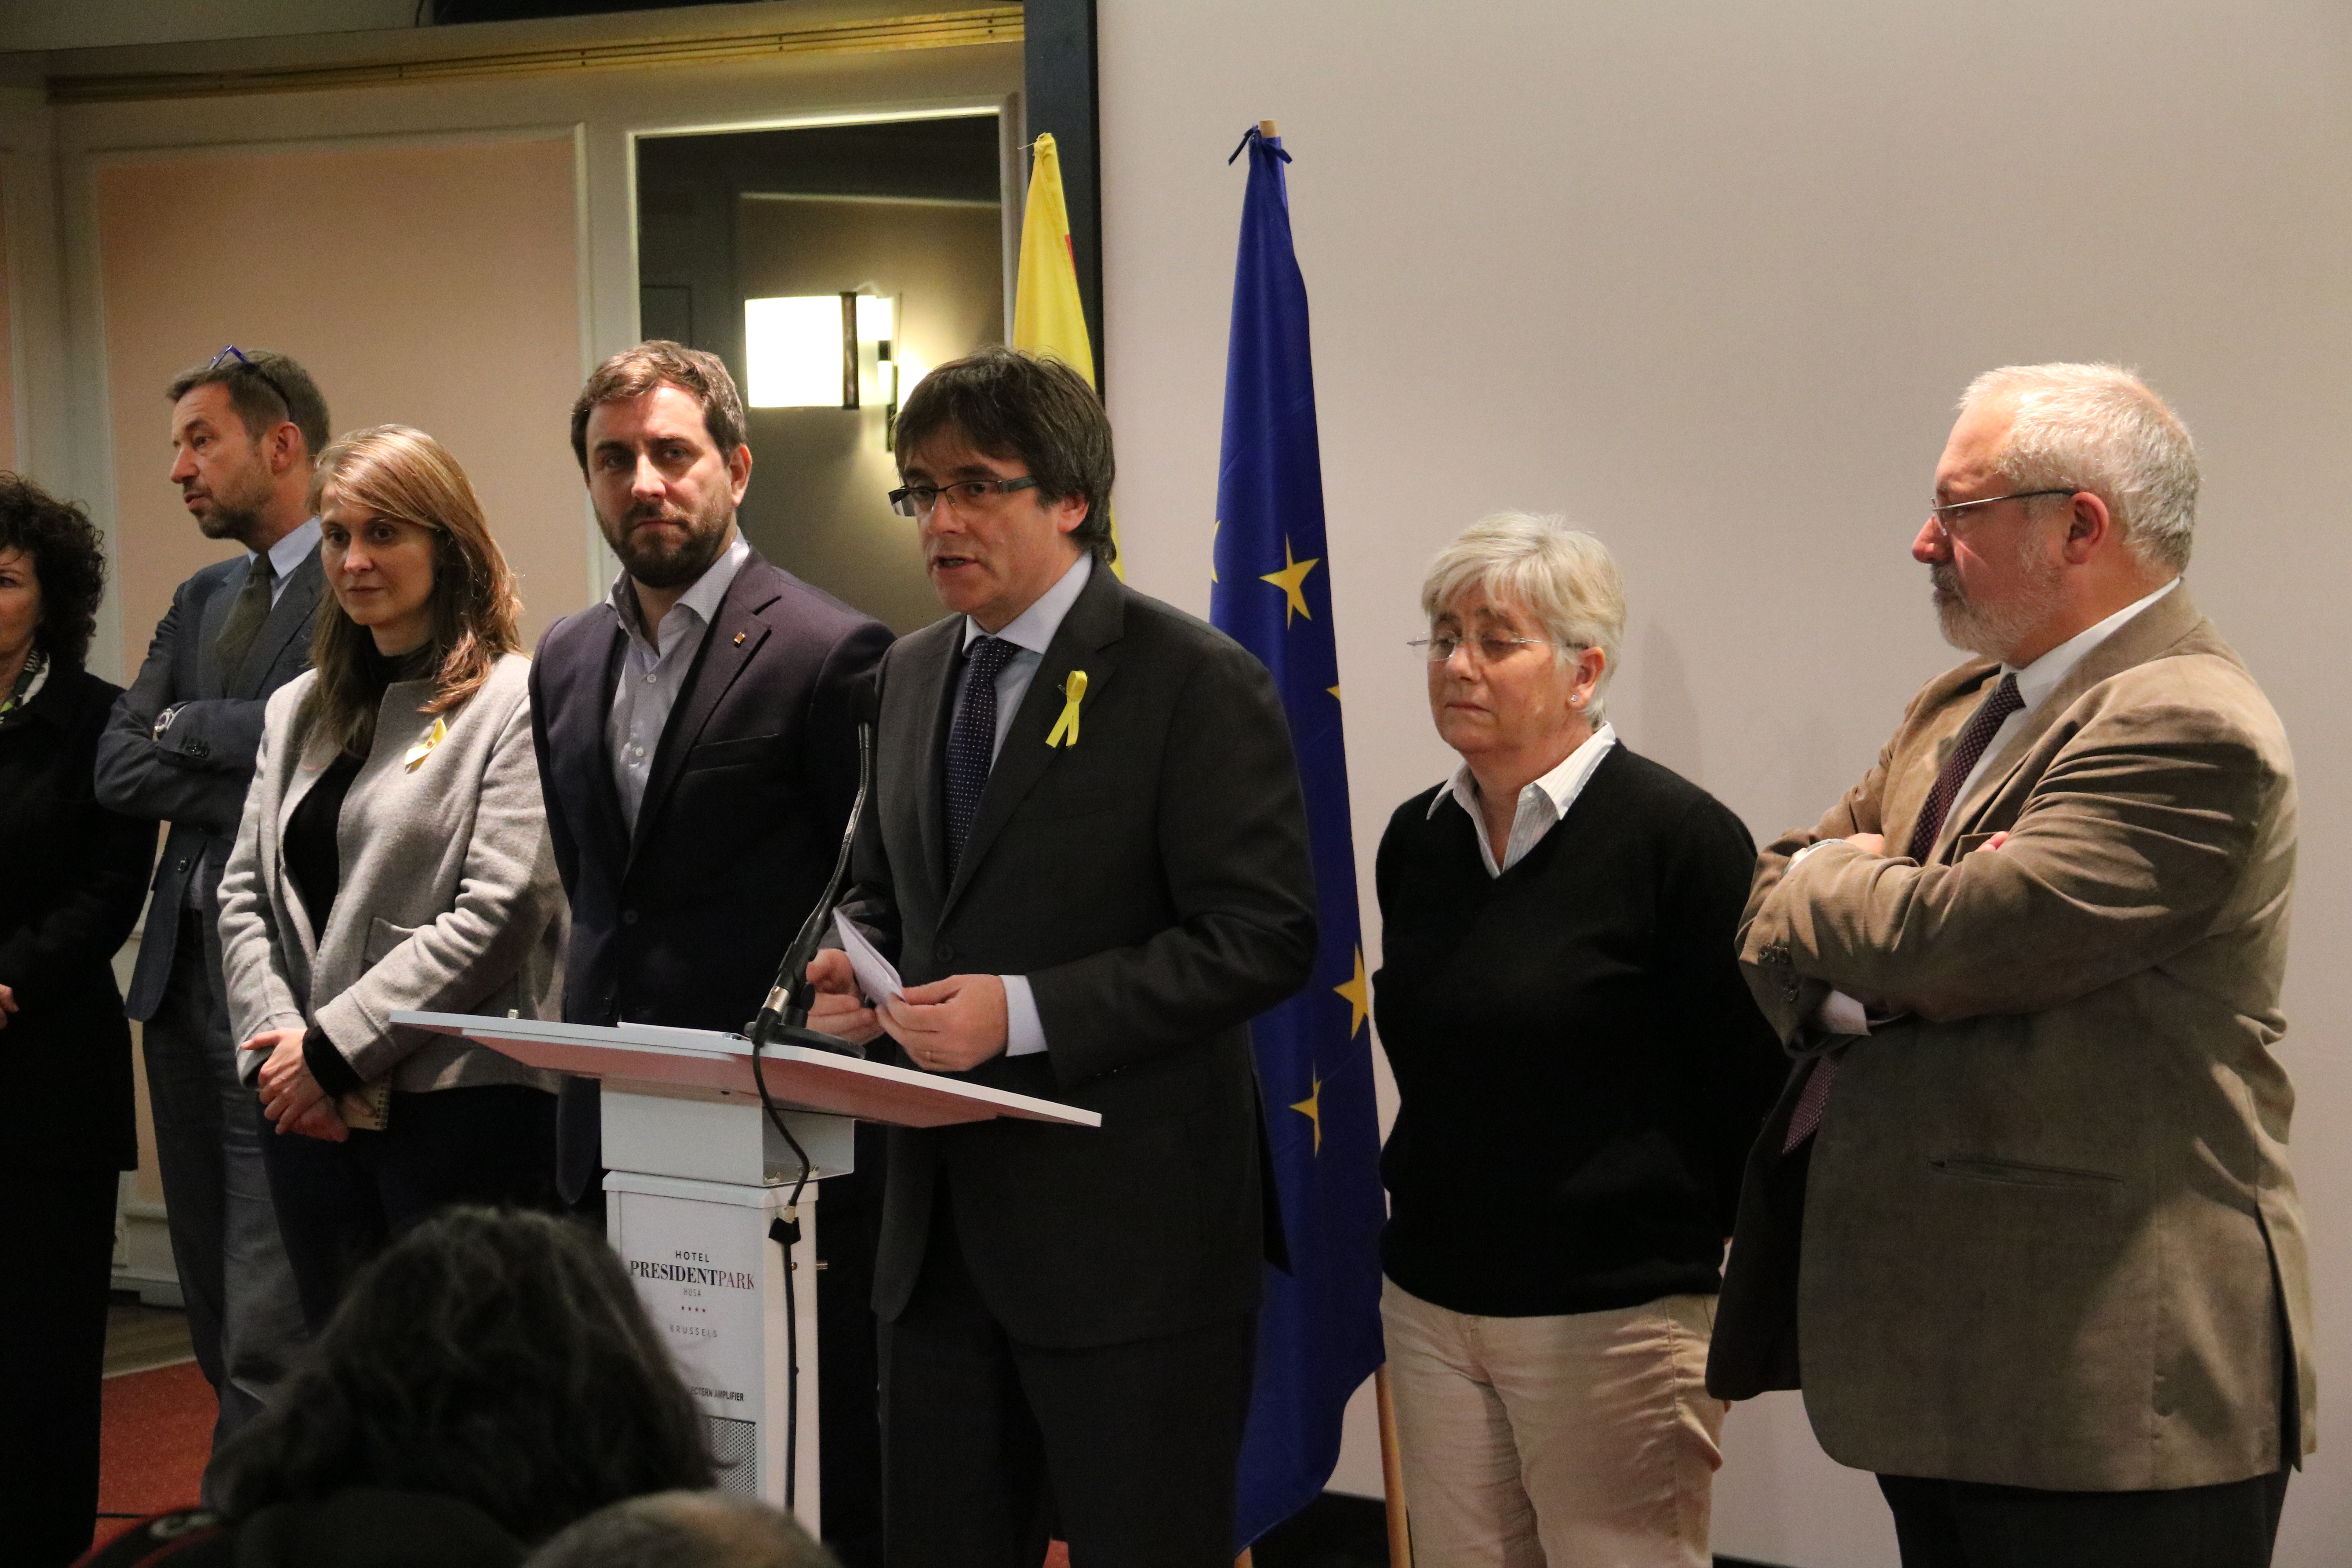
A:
1319, 1331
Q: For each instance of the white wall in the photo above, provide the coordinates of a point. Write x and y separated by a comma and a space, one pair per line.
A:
1707, 277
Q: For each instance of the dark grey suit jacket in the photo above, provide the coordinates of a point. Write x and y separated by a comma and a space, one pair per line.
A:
196, 778
1153, 882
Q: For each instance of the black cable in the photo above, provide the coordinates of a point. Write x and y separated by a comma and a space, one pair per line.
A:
784, 1231
782, 1011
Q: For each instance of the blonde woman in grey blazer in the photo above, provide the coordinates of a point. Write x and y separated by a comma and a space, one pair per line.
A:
394, 854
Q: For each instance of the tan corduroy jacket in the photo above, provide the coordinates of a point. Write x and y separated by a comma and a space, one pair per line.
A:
2048, 1233
448, 899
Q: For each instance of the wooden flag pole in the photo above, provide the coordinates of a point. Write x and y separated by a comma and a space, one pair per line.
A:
1392, 1475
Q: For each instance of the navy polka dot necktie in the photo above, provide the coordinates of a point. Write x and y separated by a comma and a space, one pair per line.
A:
972, 740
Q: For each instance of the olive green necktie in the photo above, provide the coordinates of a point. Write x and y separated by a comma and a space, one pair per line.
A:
245, 616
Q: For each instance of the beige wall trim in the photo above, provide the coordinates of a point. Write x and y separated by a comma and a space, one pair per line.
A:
947, 29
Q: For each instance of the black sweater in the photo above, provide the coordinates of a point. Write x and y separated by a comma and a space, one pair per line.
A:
1581, 1068
72, 876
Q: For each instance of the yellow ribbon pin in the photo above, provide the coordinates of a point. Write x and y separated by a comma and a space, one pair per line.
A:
423, 748
1065, 727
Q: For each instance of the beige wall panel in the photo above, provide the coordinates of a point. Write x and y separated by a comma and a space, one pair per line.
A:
434, 285
7, 343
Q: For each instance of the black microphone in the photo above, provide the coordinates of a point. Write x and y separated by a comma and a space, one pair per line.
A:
784, 1017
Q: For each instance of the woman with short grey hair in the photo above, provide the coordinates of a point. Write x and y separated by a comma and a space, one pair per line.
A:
1582, 1072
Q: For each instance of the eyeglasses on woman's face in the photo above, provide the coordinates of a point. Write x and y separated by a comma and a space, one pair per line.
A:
1492, 648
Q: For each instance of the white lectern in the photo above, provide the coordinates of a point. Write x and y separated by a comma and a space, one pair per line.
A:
697, 1174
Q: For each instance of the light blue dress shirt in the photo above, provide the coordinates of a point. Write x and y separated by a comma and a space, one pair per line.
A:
1031, 631
286, 555
654, 672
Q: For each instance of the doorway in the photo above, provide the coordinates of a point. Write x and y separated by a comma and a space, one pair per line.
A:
910, 212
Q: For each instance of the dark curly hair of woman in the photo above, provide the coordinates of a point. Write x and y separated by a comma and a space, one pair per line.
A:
69, 558
498, 1357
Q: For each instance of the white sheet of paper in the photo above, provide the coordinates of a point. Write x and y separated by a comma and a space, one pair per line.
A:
876, 975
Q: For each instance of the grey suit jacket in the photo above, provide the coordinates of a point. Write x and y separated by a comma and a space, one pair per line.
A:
449, 899
196, 778
2048, 1236
1152, 881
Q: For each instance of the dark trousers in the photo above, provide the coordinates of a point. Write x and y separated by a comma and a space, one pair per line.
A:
987, 1444
243, 1318
849, 1431
57, 1233
1969, 1524
338, 1203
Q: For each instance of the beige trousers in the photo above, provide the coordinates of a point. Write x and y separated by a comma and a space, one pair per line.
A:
1581, 1441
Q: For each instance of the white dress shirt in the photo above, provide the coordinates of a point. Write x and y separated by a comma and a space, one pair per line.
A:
1541, 804
654, 672
1031, 631
1840, 1013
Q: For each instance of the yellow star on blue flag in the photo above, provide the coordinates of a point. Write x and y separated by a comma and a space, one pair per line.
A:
1311, 1108
1292, 581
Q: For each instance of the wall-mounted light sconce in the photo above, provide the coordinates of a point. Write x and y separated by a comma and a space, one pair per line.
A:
823, 351
797, 352
877, 329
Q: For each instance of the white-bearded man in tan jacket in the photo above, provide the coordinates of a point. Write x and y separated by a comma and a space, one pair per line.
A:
2021, 1225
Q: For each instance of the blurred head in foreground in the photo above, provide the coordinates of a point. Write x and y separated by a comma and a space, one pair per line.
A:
685, 1530
499, 1358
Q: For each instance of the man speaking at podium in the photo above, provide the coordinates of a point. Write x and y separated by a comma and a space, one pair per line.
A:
696, 738
1087, 854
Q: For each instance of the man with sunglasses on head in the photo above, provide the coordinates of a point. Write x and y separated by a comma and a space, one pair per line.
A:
1087, 854
696, 731
2024, 1204
180, 748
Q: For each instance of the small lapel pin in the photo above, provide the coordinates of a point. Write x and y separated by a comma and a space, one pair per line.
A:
1065, 727
739, 639
423, 748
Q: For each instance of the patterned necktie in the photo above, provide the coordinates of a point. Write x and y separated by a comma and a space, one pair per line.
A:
1966, 753
972, 741
245, 616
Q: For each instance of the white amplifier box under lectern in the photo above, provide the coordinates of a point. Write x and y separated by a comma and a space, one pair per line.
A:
697, 1173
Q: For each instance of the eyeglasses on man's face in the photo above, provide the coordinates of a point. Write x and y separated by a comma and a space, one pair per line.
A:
964, 495
1946, 517
1441, 647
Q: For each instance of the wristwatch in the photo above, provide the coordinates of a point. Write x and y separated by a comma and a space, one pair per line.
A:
164, 721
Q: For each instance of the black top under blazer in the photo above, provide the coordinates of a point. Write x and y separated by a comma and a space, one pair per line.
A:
1580, 1068
1153, 882
75, 875
197, 777
683, 922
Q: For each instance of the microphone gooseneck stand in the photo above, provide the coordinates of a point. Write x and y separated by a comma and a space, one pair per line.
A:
784, 1019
